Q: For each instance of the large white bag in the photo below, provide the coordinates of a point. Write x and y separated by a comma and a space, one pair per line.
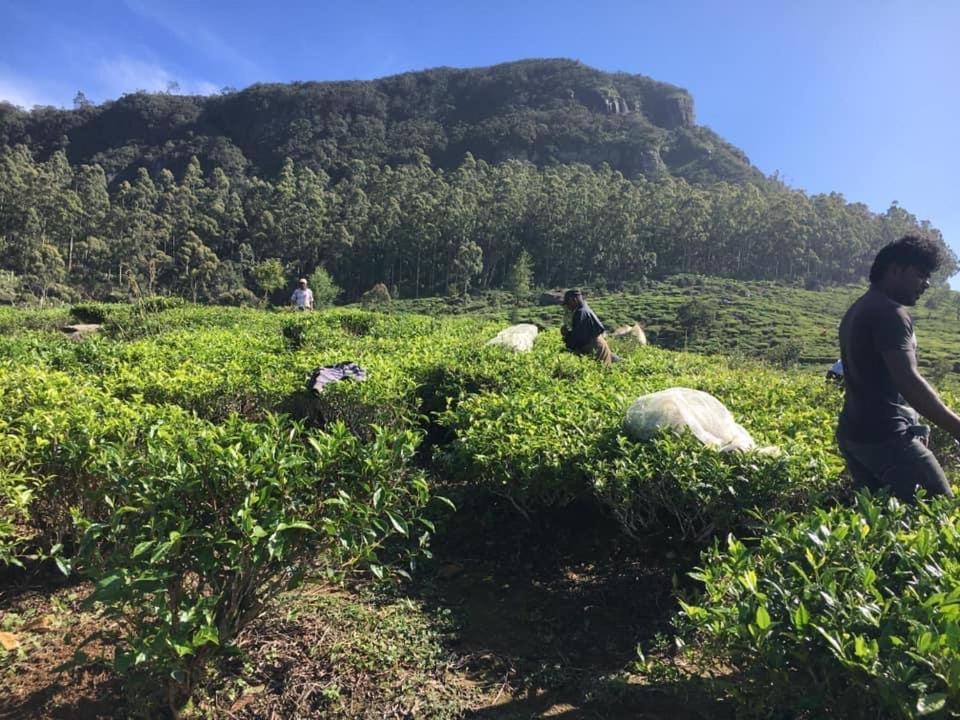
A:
678, 408
518, 338
631, 332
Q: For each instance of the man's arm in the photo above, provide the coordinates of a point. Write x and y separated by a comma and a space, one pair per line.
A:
902, 365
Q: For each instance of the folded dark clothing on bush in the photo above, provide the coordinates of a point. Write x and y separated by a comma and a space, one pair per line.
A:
322, 376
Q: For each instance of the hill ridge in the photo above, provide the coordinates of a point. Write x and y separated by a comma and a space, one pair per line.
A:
545, 111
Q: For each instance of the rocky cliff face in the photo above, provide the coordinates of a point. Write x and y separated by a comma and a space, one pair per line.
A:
608, 103
679, 112
668, 110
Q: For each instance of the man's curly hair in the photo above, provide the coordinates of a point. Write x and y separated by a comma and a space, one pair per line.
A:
909, 251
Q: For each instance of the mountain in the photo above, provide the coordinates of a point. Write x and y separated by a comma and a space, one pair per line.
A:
543, 111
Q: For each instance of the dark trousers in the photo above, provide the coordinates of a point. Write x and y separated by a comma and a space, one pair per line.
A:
901, 464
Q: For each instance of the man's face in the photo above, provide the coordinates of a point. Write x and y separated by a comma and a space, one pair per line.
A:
909, 283
571, 303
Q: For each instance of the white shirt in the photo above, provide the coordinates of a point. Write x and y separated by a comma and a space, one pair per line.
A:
303, 298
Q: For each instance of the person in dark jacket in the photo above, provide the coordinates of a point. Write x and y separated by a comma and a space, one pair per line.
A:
584, 333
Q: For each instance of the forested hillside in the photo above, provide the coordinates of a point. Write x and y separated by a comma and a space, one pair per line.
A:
532, 173
544, 111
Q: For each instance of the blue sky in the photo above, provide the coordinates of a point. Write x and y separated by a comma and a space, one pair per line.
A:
854, 96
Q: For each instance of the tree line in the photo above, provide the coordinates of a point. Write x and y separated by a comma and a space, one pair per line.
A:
66, 233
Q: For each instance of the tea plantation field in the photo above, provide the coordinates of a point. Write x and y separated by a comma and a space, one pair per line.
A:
752, 319
186, 531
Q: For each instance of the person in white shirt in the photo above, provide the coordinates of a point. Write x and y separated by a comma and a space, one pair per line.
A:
302, 297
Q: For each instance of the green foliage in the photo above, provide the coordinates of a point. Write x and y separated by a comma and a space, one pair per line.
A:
548, 432
467, 264
843, 612
786, 353
9, 287
520, 279
376, 296
295, 333
240, 297
426, 225
162, 460
325, 291
696, 317
188, 527
159, 303
268, 275
16, 497
186, 575
674, 484
89, 313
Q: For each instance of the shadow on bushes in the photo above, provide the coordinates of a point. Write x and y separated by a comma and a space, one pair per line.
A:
552, 610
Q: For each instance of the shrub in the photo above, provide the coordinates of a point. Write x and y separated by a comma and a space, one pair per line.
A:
521, 445
295, 334
356, 324
9, 287
89, 313
675, 484
696, 317
520, 277
202, 525
241, 297
159, 303
785, 353
268, 275
377, 295
16, 496
849, 612
325, 291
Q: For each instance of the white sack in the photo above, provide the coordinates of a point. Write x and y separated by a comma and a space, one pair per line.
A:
705, 416
518, 338
631, 332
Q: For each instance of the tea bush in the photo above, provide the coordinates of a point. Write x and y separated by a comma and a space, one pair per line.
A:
554, 434
51, 426
198, 526
16, 495
848, 612
675, 484
89, 313
187, 527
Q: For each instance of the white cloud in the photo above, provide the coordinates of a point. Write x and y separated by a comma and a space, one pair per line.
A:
19, 91
205, 88
123, 74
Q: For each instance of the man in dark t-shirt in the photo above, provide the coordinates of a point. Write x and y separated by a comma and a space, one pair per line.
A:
879, 432
585, 333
